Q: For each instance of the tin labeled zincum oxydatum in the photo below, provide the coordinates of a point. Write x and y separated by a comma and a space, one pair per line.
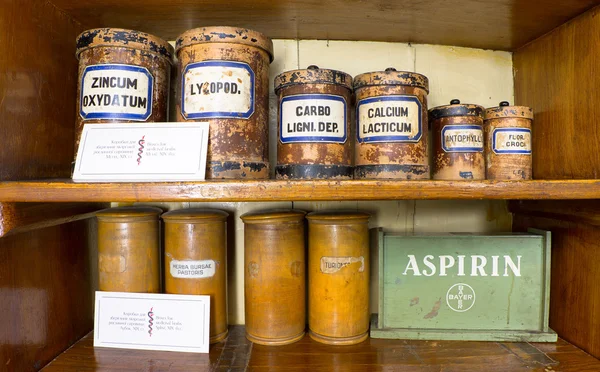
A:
223, 77
315, 139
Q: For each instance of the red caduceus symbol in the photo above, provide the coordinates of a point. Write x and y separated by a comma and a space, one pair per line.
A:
141, 149
150, 321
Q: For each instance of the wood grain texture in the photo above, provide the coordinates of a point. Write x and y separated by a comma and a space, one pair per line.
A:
580, 211
574, 293
557, 75
500, 24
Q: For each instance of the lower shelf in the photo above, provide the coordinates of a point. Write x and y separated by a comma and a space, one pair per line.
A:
238, 354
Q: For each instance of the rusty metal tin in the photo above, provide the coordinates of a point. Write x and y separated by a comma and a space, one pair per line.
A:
128, 249
224, 79
457, 142
315, 139
338, 277
508, 142
124, 76
196, 260
275, 276
391, 125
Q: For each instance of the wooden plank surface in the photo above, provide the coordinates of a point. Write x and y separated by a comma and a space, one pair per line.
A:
237, 354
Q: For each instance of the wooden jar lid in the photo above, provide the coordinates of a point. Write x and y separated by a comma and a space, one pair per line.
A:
337, 217
312, 75
129, 214
194, 215
119, 37
273, 216
391, 77
225, 34
455, 108
506, 111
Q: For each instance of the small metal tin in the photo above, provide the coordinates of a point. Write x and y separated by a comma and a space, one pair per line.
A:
196, 260
123, 77
223, 77
315, 139
338, 277
508, 142
457, 142
128, 249
391, 125
275, 276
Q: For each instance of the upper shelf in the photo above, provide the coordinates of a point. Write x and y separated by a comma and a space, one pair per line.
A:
272, 190
490, 24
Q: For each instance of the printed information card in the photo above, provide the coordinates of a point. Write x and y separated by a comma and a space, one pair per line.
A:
149, 321
142, 152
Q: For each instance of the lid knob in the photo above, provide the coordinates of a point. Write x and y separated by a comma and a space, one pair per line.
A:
504, 104
312, 67
455, 102
390, 69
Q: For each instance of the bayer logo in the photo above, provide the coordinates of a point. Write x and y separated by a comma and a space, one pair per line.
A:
460, 297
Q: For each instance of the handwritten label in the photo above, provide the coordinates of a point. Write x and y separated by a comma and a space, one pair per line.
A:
389, 119
331, 265
189, 269
462, 138
511, 141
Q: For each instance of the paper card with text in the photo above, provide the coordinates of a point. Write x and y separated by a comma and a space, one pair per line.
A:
150, 321
142, 152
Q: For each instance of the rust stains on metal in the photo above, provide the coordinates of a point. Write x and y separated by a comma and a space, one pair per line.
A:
414, 301
434, 311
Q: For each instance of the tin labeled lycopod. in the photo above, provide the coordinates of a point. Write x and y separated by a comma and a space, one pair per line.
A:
224, 79
391, 125
315, 139
457, 142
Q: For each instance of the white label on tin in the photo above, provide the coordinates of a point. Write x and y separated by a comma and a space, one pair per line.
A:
330, 265
389, 119
193, 269
462, 138
217, 89
511, 141
115, 91
312, 118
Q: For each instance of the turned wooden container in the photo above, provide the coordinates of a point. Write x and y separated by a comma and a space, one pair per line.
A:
315, 136
128, 249
338, 277
508, 142
123, 77
457, 142
224, 79
275, 276
391, 125
196, 260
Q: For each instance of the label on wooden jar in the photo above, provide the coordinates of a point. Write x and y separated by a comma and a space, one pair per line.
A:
511, 141
331, 265
389, 119
217, 89
114, 91
189, 269
312, 118
462, 138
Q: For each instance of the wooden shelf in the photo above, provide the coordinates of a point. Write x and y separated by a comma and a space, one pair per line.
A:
238, 354
272, 190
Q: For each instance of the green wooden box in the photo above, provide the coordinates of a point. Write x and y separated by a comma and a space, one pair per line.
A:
464, 287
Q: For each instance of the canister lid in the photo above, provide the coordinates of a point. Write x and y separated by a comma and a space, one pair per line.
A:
273, 215
123, 213
225, 34
455, 108
313, 75
504, 110
337, 216
119, 37
391, 77
198, 215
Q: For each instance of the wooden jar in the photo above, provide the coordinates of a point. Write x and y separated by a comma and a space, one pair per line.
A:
224, 79
123, 77
391, 125
457, 142
196, 260
128, 249
508, 142
315, 138
338, 277
275, 276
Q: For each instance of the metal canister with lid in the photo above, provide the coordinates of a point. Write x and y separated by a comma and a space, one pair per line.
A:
508, 142
224, 79
123, 77
128, 249
196, 260
457, 141
391, 125
315, 139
